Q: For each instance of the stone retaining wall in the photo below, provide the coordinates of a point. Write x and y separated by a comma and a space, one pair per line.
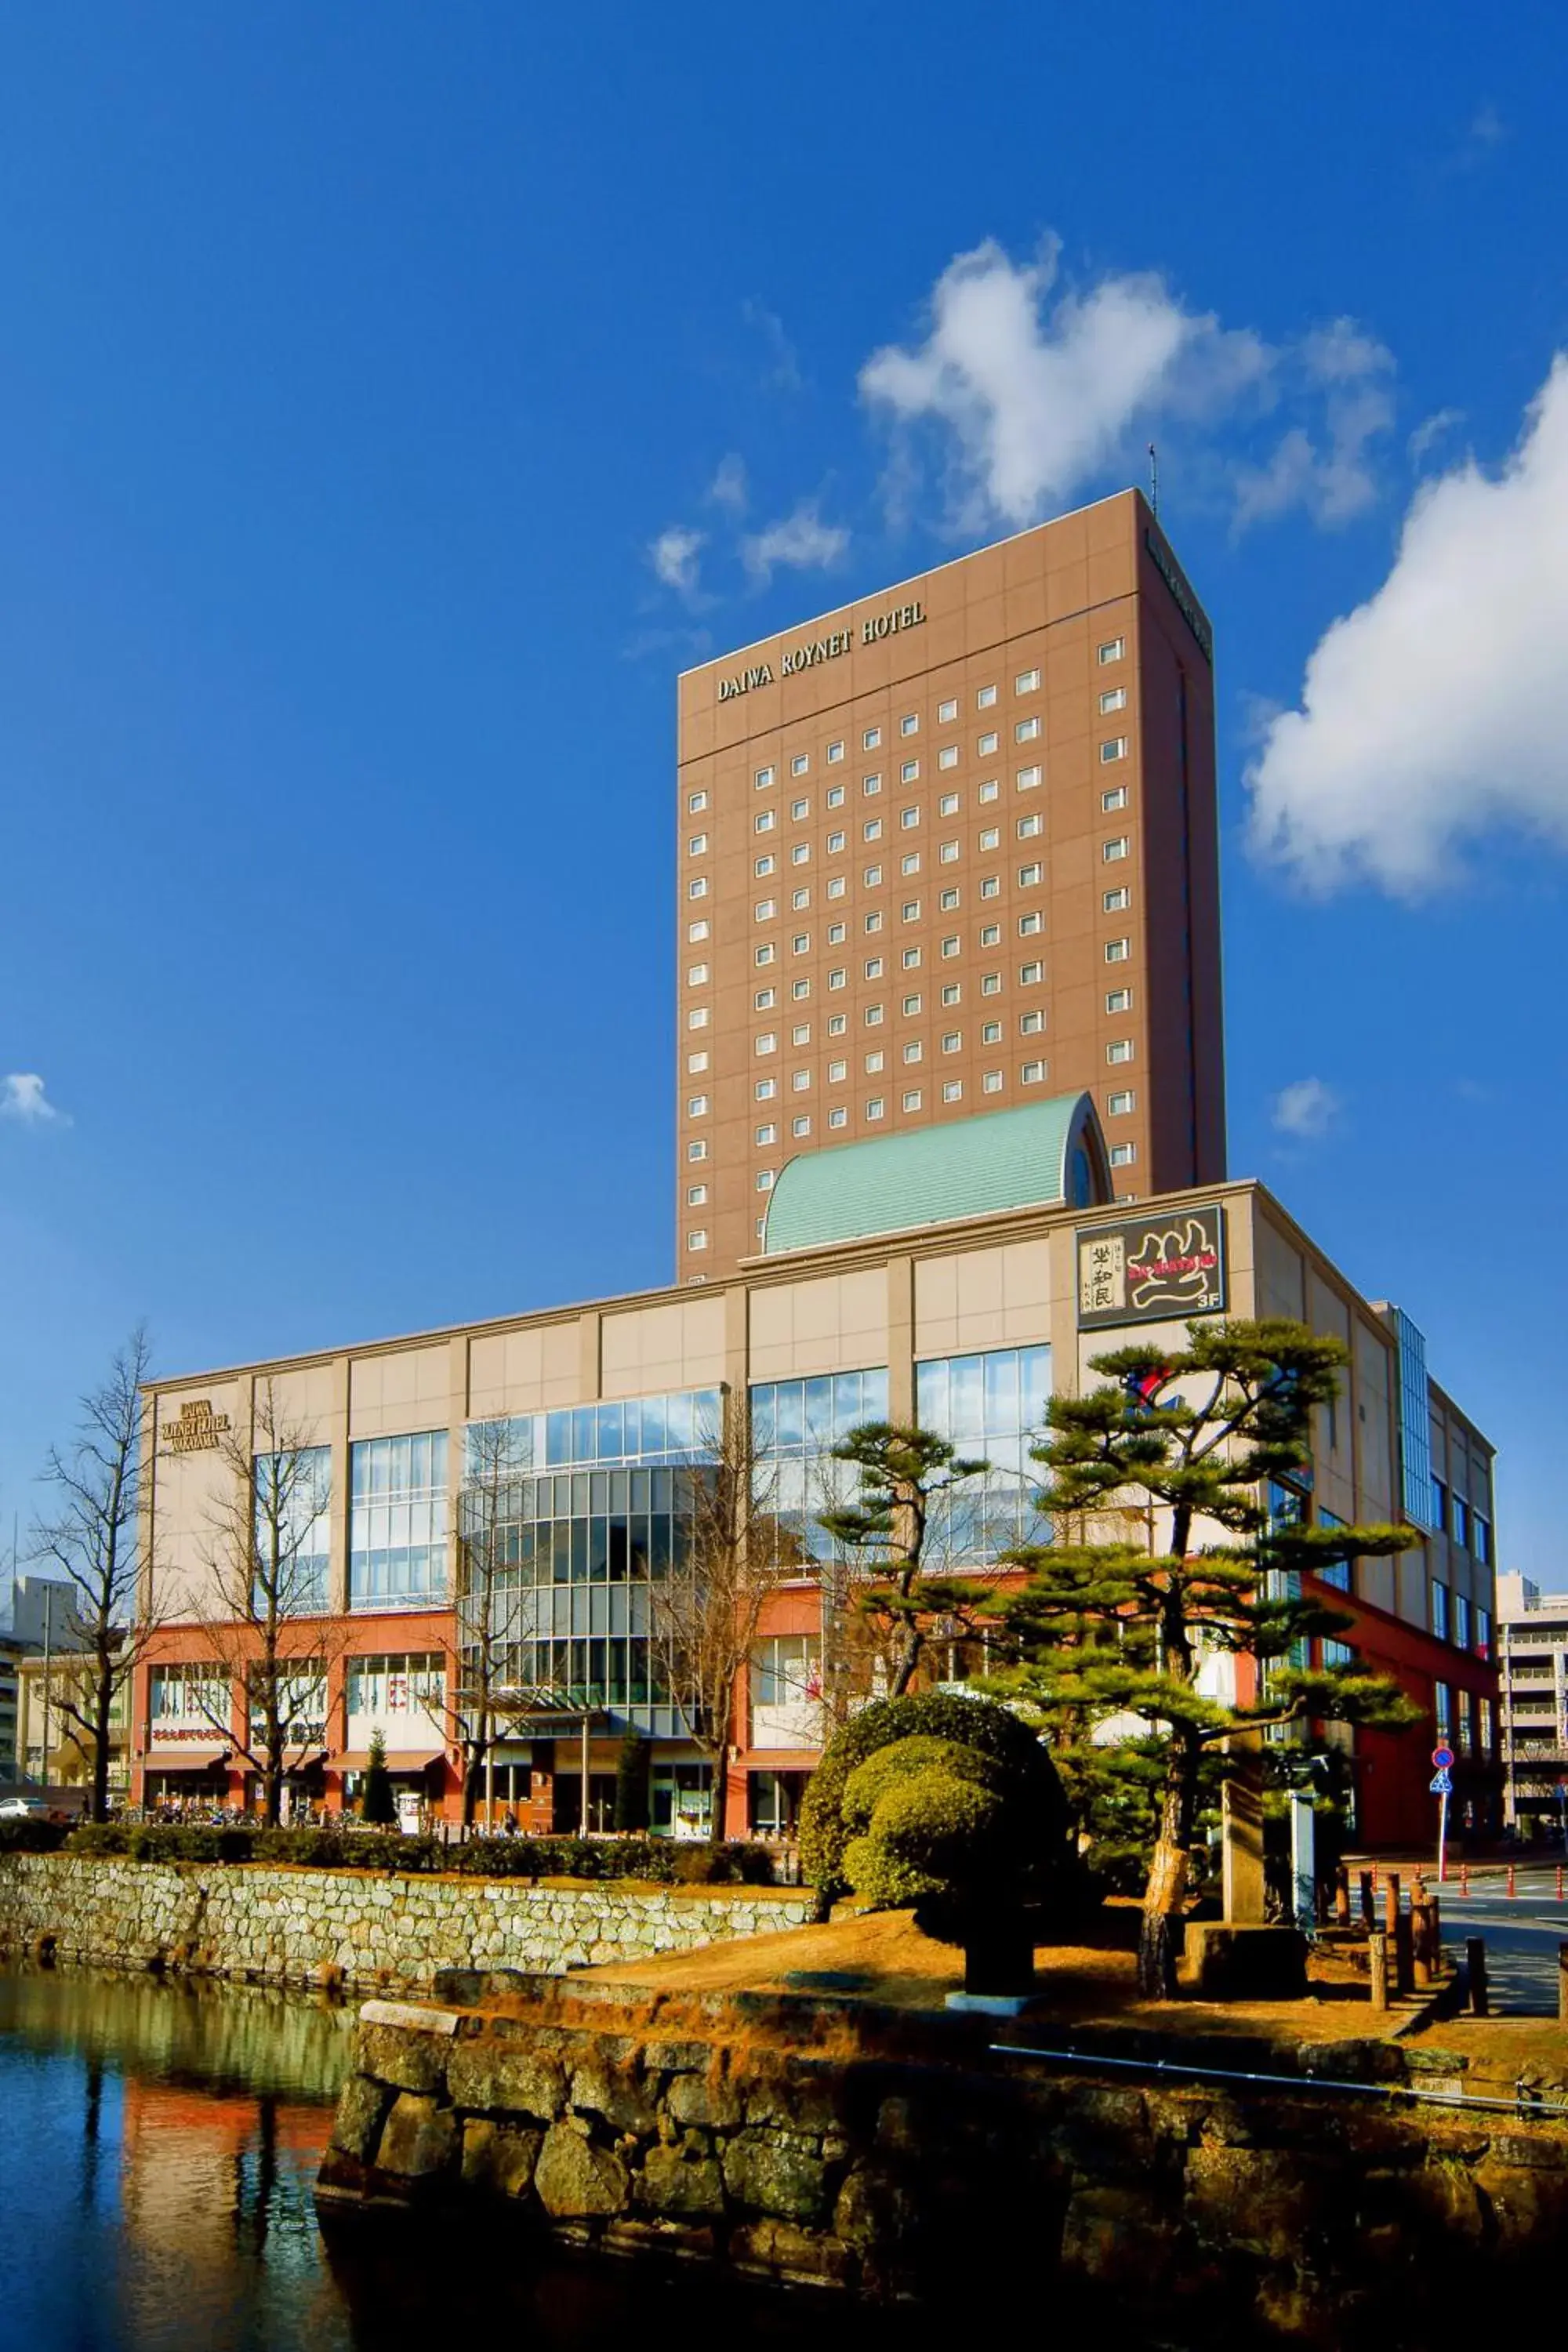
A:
900, 2158
285, 1925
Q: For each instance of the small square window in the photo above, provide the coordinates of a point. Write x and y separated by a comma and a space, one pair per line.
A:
872, 922
837, 977
948, 805
991, 984
800, 763
952, 993
913, 1098
1026, 682
1111, 650
873, 1063
698, 1150
697, 1239
1111, 851
765, 910
697, 1106
801, 943
1118, 1050
871, 738
1028, 827
910, 723
695, 1063
1115, 748
912, 1006
763, 778
987, 745
1031, 924
836, 796
1115, 901
696, 1196
698, 886
836, 1073
911, 910
911, 862
948, 901
908, 772
1114, 800
1120, 1106
764, 955
799, 901
836, 935
1032, 1073
1122, 1155
1118, 950
990, 886
764, 1179
1028, 778
874, 1108
988, 791
1028, 877
1114, 698
946, 711
835, 1024
763, 866
872, 1017
764, 999
950, 946
839, 1116
989, 836
872, 876
801, 1034
766, 1043
910, 959
948, 854
953, 1090
873, 968
801, 1126
696, 975
1028, 731
695, 931
765, 1089
800, 1082
985, 698
991, 1083
800, 811
872, 829
837, 886
800, 853
1031, 1023
952, 1041
834, 844
764, 820
948, 756
799, 988
908, 818
1119, 1000
763, 1136
695, 804
836, 752
870, 786
991, 1033
914, 1051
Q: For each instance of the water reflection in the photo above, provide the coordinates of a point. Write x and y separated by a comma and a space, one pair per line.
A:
158, 2146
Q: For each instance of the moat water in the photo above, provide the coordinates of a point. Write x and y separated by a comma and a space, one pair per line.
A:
158, 2146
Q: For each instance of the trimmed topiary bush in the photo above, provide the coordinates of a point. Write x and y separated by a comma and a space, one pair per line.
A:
1027, 1782
932, 1834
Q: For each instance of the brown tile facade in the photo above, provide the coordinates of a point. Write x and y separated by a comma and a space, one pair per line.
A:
906, 832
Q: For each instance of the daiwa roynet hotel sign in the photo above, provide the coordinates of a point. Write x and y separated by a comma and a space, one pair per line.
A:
823, 649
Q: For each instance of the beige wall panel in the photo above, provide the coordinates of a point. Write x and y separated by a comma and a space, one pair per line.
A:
190, 1490
838, 1322
506, 1373
999, 1298
1370, 1402
302, 1400
658, 1347
392, 1395
1281, 1275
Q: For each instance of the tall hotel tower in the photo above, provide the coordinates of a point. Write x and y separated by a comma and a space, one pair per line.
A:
945, 849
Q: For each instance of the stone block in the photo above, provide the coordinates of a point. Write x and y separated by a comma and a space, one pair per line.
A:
1111, 2235
802, 2099
495, 2076
873, 2209
1227, 1960
770, 2173
607, 2091
361, 2108
673, 2182
798, 2256
499, 2157
418, 2138
410, 2062
709, 2100
574, 2179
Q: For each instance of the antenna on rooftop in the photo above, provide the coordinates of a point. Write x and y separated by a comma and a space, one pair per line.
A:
1154, 477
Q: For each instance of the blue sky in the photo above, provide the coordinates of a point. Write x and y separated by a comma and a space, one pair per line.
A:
392, 401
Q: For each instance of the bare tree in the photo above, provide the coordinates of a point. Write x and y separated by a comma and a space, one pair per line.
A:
488, 1601
95, 1535
264, 1609
733, 1550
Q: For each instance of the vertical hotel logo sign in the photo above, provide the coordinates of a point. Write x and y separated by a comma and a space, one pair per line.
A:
804, 656
1153, 1268
197, 1430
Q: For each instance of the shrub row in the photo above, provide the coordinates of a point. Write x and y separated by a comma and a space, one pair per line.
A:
660, 1859
25, 1836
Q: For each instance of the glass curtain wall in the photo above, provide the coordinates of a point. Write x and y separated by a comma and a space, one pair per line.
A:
293, 1508
991, 1407
397, 1522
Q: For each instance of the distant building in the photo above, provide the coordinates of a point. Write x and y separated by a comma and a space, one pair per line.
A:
1533, 1660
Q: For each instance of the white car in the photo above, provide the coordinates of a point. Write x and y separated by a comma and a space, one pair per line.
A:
23, 1809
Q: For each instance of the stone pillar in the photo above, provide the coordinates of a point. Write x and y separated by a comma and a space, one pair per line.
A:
1241, 1833
1303, 1863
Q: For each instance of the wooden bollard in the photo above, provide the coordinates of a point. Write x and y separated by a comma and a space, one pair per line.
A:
1391, 1902
1562, 1983
1369, 1897
1377, 1957
1464, 1878
1342, 1896
1512, 1886
1404, 1954
1420, 1943
1476, 1970
1435, 1931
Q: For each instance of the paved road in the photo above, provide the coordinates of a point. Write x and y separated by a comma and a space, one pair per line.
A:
1522, 1938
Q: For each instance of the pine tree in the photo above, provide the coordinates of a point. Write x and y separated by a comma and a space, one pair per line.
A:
378, 1807
903, 1473
1181, 1445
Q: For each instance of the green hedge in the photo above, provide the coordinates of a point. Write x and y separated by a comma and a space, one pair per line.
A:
23, 1836
660, 1859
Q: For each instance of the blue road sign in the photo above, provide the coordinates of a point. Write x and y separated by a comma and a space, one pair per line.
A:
1440, 1785
1443, 1755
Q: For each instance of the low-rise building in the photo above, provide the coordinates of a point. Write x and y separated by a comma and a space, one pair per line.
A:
958, 1277
1532, 1662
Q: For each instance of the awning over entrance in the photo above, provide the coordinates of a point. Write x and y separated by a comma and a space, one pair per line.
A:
189, 1757
398, 1759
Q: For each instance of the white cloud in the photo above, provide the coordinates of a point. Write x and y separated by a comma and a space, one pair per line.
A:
1305, 1109
1430, 431
729, 486
22, 1096
674, 557
801, 543
1040, 391
783, 366
1438, 709
1330, 476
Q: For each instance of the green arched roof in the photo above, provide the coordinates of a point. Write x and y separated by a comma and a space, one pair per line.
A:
1039, 1156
